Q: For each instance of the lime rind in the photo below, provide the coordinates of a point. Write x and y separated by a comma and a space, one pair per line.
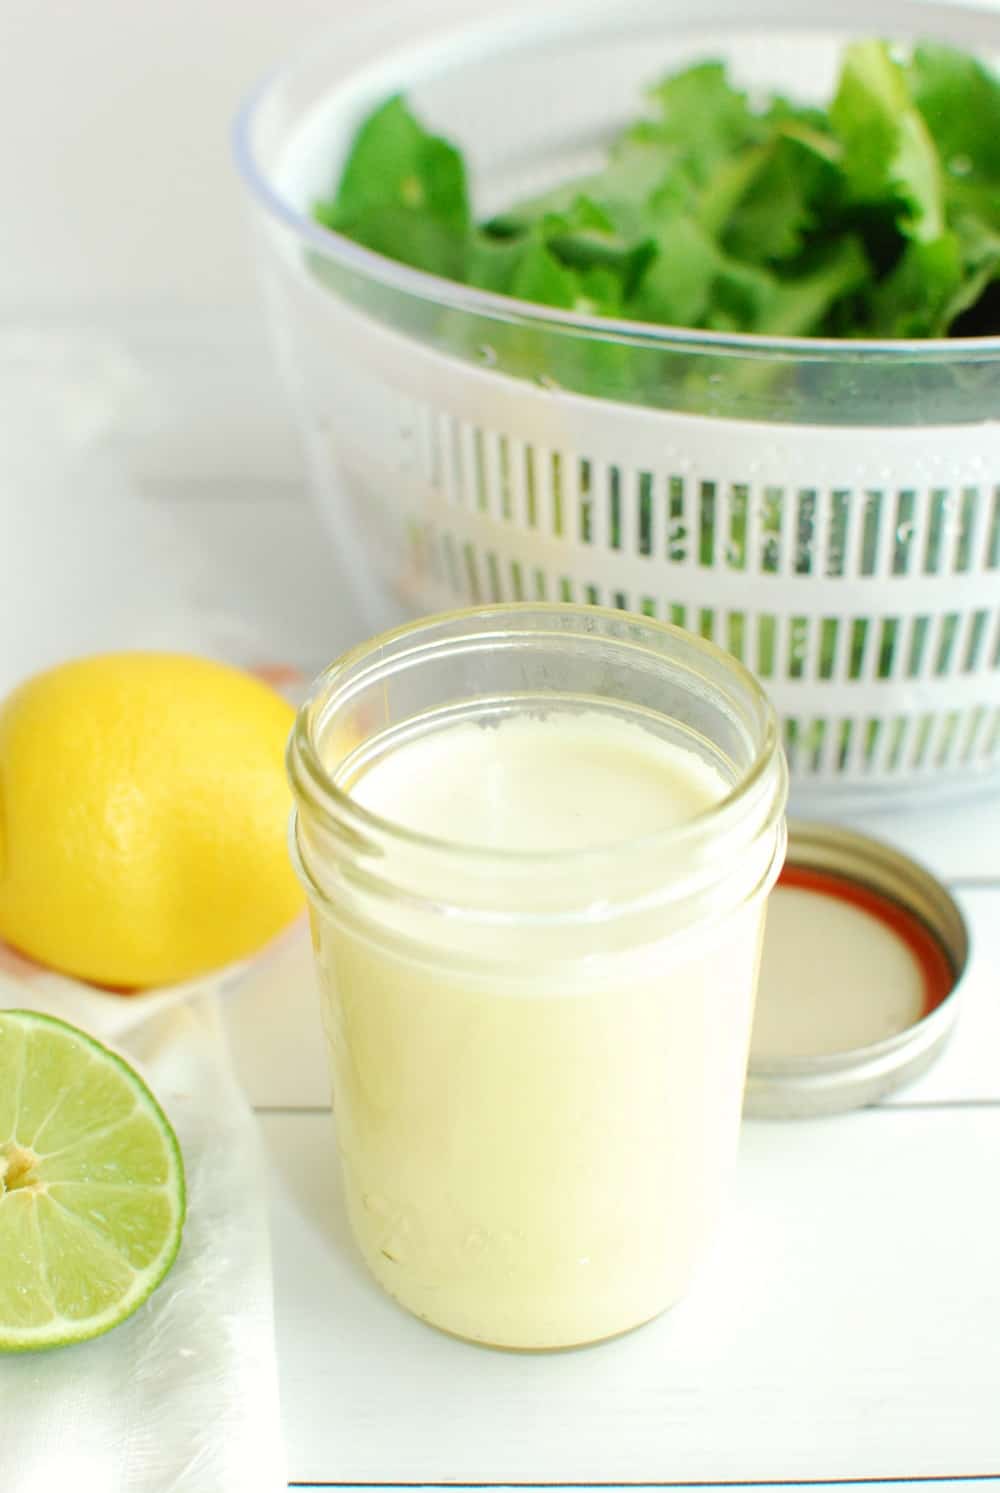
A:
92, 1219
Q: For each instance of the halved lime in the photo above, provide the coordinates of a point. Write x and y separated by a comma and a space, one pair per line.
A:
91, 1186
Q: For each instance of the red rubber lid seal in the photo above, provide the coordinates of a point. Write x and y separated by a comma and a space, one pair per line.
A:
938, 972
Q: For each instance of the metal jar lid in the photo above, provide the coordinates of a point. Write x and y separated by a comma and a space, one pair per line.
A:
863, 957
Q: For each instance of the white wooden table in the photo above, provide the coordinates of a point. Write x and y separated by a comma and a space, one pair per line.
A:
846, 1328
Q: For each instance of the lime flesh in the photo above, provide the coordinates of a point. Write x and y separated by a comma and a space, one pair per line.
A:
91, 1186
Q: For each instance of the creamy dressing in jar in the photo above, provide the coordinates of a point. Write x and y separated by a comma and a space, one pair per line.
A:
537, 924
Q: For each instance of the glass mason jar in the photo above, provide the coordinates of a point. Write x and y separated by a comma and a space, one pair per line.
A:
538, 1056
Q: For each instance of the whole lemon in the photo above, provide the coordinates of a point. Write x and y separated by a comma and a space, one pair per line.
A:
143, 810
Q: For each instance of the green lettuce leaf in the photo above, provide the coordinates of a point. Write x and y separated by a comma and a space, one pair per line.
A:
704, 116
878, 216
888, 152
403, 193
959, 99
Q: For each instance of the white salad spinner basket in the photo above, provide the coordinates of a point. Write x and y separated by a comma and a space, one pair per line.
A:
829, 512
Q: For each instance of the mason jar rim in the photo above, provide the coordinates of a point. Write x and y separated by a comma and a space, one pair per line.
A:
315, 788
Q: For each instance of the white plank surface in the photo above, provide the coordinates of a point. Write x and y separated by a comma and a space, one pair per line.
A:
959, 841
848, 1322
847, 1325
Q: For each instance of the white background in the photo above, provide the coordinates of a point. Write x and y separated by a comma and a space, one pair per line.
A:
847, 1326
114, 150
114, 163
138, 396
